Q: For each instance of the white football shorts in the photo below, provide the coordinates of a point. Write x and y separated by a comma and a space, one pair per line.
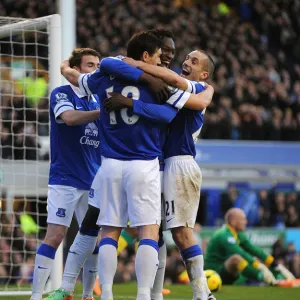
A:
94, 194
182, 183
128, 191
63, 201
162, 197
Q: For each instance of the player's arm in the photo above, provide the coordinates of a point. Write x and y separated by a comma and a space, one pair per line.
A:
65, 112
161, 113
88, 83
231, 247
267, 259
254, 250
75, 117
113, 66
116, 67
201, 100
154, 112
167, 75
199, 96
170, 77
69, 73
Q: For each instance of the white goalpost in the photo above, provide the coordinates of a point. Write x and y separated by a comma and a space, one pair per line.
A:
30, 57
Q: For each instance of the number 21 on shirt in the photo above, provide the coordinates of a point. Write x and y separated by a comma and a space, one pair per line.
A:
135, 95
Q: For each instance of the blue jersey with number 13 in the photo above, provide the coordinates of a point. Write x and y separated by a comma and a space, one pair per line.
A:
124, 135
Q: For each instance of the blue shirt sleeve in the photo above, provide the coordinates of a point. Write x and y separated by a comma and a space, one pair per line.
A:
178, 98
95, 102
90, 83
195, 87
116, 67
60, 101
155, 112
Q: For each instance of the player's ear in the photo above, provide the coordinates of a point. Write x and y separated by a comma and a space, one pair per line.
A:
205, 75
145, 56
76, 68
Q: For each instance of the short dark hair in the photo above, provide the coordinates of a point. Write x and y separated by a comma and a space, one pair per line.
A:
210, 64
141, 42
162, 33
78, 53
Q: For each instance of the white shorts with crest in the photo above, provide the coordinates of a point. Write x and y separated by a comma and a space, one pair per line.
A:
63, 201
128, 191
181, 189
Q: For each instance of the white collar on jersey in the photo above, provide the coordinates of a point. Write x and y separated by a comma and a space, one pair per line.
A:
77, 91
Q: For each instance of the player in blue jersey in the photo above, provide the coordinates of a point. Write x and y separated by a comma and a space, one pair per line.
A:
130, 147
129, 235
74, 263
75, 159
168, 51
181, 171
177, 99
82, 244
111, 210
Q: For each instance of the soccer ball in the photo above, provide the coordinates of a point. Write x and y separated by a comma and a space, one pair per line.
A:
214, 280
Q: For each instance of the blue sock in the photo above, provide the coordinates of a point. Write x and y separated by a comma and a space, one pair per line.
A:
191, 252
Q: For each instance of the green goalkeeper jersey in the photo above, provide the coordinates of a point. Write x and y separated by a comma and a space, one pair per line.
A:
225, 242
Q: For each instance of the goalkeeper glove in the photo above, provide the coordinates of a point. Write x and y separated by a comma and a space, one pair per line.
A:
284, 271
268, 275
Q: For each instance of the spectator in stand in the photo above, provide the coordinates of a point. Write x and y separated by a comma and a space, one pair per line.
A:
287, 255
296, 265
264, 209
292, 218
293, 200
278, 249
290, 255
280, 210
228, 198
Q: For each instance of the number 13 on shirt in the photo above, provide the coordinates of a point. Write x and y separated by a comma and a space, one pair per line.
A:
126, 91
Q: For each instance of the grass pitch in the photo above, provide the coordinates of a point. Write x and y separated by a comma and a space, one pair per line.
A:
183, 292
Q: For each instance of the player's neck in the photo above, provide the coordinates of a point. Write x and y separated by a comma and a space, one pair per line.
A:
232, 230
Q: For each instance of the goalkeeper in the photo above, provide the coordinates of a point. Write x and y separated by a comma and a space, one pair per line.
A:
231, 254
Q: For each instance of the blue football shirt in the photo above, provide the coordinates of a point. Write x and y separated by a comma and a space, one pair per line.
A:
185, 128
185, 124
75, 154
124, 135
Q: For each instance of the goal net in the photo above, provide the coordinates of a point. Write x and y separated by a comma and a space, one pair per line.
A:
30, 56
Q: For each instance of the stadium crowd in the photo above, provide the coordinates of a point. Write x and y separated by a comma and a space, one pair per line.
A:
257, 87
254, 45
278, 209
17, 249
